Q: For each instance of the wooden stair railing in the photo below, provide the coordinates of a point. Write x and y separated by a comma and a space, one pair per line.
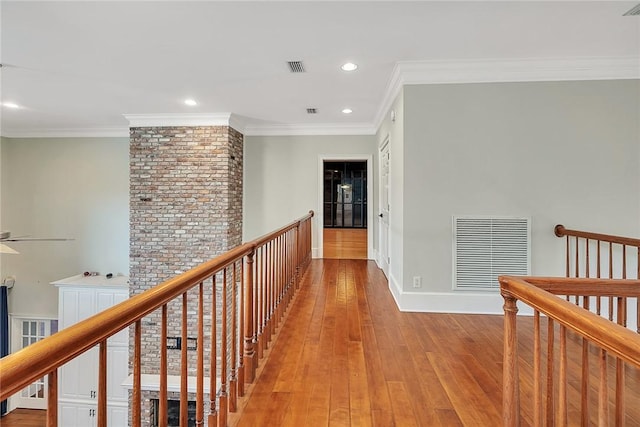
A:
598, 255
258, 279
550, 403
598, 267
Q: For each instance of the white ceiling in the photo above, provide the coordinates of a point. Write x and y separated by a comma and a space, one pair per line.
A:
76, 68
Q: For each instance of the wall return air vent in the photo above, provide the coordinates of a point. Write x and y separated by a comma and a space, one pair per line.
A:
487, 247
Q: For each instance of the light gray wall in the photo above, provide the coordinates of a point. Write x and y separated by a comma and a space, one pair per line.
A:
281, 177
558, 152
54, 187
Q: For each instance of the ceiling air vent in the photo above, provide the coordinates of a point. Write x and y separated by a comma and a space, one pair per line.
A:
296, 66
634, 11
312, 111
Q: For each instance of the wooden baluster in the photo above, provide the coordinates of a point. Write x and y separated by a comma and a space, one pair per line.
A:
240, 331
610, 277
620, 407
587, 267
223, 398
260, 303
585, 374
577, 266
212, 419
562, 386
550, 402
136, 404
233, 378
598, 274
624, 261
102, 384
52, 399
296, 254
272, 290
163, 410
200, 358
184, 371
567, 257
249, 333
603, 391
537, 371
276, 267
511, 387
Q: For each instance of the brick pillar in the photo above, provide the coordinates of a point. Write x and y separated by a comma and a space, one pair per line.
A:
185, 208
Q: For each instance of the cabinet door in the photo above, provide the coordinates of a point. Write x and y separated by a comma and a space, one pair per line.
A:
77, 415
75, 305
118, 367
117, 416
79, 377
106, 298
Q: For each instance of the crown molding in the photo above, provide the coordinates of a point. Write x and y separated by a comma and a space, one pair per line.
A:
318, 129
115, 132
170, 119
505, 71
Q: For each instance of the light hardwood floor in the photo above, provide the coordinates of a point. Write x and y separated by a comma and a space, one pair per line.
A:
24, 418
345, 243
345, 356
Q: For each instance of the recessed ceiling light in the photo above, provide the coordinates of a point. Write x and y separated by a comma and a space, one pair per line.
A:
10, 105
347, 111
349, 66
190, 102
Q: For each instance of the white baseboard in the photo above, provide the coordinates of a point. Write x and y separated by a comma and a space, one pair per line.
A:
316, 253
450, 302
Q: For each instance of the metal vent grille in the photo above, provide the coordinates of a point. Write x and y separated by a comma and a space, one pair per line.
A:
296, 66
487, 247
312, 111
634, 11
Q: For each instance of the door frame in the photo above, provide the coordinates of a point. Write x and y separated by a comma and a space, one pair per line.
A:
15, 335
320, 210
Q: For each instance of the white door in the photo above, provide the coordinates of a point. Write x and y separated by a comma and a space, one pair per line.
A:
34, 396
383, 215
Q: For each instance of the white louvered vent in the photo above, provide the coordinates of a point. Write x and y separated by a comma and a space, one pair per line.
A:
296, 66
487, 247
634, 11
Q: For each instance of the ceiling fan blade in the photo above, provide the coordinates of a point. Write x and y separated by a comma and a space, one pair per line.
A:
35, 239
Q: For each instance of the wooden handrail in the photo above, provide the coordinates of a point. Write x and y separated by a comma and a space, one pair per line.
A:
614, 338
560, 231
25, 366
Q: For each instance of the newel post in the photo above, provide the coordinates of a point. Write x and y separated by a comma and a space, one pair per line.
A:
510, 377
249, 332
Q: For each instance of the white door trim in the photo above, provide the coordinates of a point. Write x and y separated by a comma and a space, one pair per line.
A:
320, 210
383, 241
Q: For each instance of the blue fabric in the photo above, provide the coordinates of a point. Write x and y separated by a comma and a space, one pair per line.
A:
4, 334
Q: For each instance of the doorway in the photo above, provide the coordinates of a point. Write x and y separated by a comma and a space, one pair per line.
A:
345, 211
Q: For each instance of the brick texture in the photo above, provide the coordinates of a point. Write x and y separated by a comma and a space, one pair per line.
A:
185, 208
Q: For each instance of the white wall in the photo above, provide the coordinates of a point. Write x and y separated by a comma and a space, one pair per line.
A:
281, 177
54, 187
558, 152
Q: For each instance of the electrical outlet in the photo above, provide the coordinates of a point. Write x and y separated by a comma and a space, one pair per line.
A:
417, 281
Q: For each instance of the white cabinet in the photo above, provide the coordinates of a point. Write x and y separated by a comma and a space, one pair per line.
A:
80, 297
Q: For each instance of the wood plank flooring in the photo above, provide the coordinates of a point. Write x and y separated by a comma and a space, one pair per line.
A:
24, 418
345, 356
345, 243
